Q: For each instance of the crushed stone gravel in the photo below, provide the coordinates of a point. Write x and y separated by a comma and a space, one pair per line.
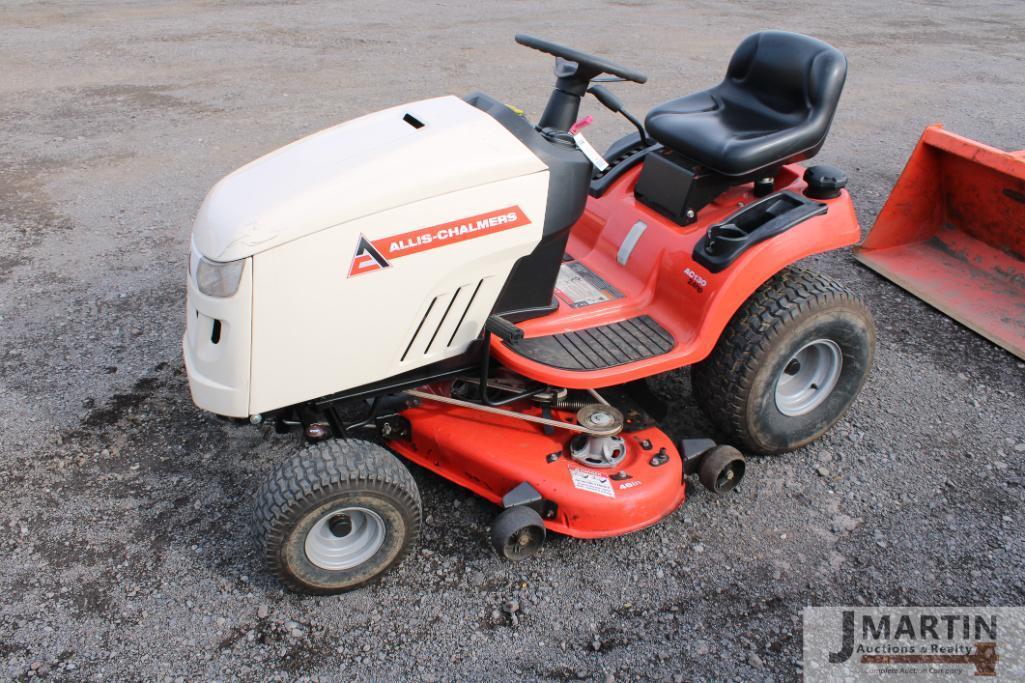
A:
125, 550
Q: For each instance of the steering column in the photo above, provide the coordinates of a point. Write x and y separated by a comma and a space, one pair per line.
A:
574, 71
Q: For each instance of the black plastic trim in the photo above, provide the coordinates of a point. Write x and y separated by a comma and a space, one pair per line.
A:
531, 284
622, 155
413, 121
522, 494
532, 312
600, 347
676, 187
724, 242
693, 452
497, 325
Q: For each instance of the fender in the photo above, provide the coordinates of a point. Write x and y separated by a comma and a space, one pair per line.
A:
661, 279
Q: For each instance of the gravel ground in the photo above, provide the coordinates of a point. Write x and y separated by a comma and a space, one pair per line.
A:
124, 553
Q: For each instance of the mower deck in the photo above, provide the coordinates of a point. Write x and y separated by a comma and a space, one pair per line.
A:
630, 303
492, 454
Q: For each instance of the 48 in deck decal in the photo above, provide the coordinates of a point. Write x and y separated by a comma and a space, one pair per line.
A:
377, 254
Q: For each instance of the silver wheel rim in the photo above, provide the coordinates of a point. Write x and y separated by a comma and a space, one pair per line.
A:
345, 538
808, 377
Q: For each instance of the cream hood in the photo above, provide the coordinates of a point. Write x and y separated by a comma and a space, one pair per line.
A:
367, 165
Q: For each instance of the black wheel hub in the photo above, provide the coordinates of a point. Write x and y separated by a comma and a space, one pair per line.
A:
523, 543
340, 525
727, 479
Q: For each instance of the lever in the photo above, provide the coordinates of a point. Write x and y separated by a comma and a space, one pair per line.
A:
615, 105
499, 326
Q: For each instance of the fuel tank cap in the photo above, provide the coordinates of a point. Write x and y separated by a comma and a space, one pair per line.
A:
824, 182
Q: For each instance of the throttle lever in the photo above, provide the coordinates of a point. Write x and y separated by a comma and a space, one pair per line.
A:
615, 105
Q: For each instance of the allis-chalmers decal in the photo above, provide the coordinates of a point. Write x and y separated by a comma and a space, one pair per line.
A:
367, 258
378, 254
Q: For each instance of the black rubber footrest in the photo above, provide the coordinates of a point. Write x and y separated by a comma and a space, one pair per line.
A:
596, 348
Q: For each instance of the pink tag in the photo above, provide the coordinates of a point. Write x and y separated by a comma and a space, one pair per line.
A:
582, 123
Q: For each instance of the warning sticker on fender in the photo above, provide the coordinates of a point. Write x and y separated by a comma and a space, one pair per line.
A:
579, 286
586, 480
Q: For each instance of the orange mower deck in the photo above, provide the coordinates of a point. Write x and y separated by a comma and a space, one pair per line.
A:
491, 454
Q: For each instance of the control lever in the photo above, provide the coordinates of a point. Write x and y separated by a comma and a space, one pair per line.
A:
500, 327
615, 105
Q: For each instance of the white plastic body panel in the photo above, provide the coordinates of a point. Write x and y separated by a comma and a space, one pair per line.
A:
219, 370
356, 169
300, 327
317, 331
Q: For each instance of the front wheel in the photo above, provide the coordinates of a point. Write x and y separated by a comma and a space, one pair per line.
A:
789, 364
337, 516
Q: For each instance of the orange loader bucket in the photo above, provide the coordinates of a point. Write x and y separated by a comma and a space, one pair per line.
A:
953, 234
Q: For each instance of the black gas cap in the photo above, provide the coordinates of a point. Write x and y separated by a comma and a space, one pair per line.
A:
824, 182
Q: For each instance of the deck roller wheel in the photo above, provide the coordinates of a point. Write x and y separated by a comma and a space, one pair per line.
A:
721, 469
517, 533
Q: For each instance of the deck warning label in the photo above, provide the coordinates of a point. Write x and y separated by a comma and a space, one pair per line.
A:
586, 480
579, 286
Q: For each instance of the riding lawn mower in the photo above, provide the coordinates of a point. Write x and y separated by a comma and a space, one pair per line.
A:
485, 297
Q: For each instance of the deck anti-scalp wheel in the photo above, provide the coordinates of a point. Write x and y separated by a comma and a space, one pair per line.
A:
789, 364
337, 516
721, 469
517, 533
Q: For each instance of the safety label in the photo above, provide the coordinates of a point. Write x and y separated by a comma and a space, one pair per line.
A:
579, 286
586, 480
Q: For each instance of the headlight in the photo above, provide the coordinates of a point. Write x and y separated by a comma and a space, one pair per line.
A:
216, 279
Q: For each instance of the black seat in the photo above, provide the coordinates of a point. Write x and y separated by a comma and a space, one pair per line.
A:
774, 106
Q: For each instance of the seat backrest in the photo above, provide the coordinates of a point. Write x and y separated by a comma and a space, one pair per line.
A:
789, 75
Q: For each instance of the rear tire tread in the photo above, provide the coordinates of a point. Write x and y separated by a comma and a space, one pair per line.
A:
722, 381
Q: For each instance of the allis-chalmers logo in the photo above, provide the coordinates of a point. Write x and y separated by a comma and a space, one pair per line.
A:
378, 254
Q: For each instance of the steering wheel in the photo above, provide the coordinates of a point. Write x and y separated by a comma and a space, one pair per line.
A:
587, 66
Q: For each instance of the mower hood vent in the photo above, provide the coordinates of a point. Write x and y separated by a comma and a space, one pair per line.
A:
450, 321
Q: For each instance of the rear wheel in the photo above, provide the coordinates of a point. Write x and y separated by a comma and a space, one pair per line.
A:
337, 516
789, 364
